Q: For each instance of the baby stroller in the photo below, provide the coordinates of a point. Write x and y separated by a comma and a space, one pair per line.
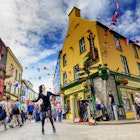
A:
105, 116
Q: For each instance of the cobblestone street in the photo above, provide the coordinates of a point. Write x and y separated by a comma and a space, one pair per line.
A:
65, 131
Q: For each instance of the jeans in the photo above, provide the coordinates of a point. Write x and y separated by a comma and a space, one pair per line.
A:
59, 115
111, 106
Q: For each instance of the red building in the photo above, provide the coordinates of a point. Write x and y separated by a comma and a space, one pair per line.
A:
3, 57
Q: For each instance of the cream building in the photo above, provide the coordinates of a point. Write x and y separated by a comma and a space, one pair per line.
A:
13, 76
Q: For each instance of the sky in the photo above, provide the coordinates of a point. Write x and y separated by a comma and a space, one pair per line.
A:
35, 29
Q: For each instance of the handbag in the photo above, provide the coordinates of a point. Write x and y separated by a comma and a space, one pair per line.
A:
2, 114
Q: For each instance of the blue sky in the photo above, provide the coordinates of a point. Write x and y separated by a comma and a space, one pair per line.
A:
35, 29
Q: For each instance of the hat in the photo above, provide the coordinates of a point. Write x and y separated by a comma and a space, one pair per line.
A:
137, 94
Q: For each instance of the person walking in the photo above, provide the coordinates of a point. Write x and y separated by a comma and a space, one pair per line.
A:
16, 114
111, 102
46, 105
59, 111
30, 111
4, 113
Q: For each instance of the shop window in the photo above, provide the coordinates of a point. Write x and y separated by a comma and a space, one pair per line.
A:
82, 45
127, 101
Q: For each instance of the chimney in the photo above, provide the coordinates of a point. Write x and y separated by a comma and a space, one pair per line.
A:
75, 12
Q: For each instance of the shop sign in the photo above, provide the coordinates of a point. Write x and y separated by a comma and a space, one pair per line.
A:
133, 84
74, 89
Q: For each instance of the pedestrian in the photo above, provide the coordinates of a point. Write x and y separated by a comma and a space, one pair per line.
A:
111, 103
137, 103
30, 111
46, 105
59, 111
4, 112
16, 114
98, 105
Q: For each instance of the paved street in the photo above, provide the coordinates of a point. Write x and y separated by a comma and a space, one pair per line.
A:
65, 131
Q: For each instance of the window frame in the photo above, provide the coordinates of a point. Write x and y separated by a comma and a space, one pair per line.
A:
64, 60
76, 73
135, 51
65, 79
82, 45
116, 39
125, 65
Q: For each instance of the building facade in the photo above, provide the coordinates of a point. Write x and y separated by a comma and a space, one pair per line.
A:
90, 49
13, 76
3, 56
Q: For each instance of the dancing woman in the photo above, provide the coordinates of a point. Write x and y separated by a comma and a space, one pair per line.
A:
46, 105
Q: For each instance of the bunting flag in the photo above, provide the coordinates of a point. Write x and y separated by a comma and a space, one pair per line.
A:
38, 69
118, 43
137, 41
11, 71
45, 68
115, 14
127, 41
68, 72
16, 85
117, 5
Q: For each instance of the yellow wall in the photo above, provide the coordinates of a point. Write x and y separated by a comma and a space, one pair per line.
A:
77, 29
11, 59
113, 58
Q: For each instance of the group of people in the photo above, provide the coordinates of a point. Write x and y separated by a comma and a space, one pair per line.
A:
19, 112
137, 103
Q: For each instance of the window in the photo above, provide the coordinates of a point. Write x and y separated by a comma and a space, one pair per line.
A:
82, 45
125, 66
14, 90
64, 79
16, 75
76, 75
138, 66
117, 43
135, 51
64, 60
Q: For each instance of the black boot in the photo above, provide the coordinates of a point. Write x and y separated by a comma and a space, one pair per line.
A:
43, 130
54, 130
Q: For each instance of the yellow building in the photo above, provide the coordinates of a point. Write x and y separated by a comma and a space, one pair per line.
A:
101, 46
13, 76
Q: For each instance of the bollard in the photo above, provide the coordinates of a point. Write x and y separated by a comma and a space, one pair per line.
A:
88, 109
135, 113
115, 113
73, 109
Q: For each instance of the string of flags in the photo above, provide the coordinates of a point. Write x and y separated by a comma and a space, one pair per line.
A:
114, 20
38, 69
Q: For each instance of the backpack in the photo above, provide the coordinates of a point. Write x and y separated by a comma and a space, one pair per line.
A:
2, 114
15, 110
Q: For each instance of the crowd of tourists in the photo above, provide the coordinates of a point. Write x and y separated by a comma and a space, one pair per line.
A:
17, 113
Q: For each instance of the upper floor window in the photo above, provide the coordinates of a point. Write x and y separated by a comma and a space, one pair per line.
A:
82, 45
76, 75
64, 60
125, 66
64, 78
16, 74
138, 66
117, 43
135, 51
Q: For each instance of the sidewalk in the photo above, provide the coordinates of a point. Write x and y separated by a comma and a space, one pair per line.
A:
120, 122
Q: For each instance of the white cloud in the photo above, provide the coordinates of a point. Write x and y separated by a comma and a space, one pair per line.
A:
24, 23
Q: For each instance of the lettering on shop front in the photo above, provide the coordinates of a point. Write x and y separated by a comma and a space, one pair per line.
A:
75, 89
